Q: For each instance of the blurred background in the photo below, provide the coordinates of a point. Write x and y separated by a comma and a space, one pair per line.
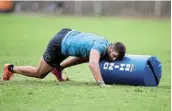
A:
103, 8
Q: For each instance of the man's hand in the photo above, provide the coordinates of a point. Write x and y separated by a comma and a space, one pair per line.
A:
102, 84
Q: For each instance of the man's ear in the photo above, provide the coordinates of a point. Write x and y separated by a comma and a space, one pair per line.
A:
110, 48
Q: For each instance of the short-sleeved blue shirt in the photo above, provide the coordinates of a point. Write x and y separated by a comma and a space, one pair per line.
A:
79, 44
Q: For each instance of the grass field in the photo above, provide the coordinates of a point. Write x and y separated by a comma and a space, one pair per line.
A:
23, 39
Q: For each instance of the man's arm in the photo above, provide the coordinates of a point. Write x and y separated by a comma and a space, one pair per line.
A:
94, 66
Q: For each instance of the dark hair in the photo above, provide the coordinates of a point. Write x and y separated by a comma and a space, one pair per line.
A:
120, 48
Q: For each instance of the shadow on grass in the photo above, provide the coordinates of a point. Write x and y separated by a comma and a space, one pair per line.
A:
37, 82
47, 83
164, 87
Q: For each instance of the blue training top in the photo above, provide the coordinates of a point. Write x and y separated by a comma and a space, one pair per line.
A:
79, 44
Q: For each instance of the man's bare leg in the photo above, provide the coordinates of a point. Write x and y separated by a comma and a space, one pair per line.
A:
71, 61
38, 72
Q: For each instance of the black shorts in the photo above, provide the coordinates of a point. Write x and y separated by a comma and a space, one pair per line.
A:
53, 55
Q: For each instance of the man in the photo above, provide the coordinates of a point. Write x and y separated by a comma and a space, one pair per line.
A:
82, 47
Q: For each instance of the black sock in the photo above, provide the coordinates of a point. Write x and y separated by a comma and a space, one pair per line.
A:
10, 67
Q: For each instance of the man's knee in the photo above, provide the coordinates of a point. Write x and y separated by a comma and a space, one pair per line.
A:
84, 59
42, 75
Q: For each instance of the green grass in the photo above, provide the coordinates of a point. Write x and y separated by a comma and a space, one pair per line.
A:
23, 39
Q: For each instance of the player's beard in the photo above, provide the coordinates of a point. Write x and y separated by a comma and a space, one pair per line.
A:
108, 54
